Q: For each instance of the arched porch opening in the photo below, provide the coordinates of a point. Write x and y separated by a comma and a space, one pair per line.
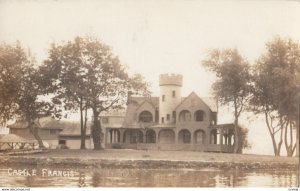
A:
166, 136
133, 136
150, 136
184, 136
199, 136
214, 136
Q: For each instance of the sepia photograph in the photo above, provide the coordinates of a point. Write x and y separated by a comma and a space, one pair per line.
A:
149, 94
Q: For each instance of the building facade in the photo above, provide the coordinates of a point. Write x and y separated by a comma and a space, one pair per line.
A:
171, 122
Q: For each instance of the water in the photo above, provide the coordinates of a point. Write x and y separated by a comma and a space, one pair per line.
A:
80, 177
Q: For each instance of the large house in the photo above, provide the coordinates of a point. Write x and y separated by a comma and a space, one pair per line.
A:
167, 122
171, 122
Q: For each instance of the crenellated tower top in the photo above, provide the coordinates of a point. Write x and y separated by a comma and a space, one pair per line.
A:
170, 79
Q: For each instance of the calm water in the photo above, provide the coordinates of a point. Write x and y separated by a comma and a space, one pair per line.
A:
51, 177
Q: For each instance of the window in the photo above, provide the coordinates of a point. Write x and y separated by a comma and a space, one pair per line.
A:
184, 115
168, 117
145, 116
173, 94
199, 115
52, 131
163, 98
105, 120
62, 142
162, 120
174, 115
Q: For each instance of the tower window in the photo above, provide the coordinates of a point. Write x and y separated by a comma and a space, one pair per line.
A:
163, 98
168, 117
173, 94
174, 114
162, 120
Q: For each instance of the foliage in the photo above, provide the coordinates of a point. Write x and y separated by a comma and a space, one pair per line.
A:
87, 71
276, 92
12, 61
22, 90
233, 81
244, 143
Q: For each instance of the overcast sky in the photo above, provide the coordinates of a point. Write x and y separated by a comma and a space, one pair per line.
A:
154, 37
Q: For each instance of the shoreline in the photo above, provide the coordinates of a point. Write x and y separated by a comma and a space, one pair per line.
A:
133, 159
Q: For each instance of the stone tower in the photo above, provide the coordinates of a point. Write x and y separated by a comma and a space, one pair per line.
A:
170, 96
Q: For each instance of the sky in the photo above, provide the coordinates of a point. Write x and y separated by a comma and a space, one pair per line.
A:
154, 37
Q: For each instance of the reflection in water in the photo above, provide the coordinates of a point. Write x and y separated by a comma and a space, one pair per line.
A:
81, 180
154, 178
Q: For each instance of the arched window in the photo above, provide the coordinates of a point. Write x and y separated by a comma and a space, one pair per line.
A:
199, 115
185, 115
145, 116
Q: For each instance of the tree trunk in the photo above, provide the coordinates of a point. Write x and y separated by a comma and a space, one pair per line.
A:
275, 148
82, 130
34, 131
96, 130
236, 137
290, 147
236, 133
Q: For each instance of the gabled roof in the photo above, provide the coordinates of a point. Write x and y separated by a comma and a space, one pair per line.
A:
208, 101
44, 123
72, 128
153, 100
211, 102
146, 101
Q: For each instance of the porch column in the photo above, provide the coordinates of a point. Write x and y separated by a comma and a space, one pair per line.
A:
121, 135
112, 136
221, 137
176, 136
192, 138
156, 136
108, 140
144, 136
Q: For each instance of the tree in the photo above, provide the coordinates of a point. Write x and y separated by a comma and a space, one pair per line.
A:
87, 69
67, 75
22, 89
233, 83
12, 60
276, 92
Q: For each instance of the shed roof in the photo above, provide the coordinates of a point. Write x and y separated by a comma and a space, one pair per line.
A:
44, 123
72, 128
13, 138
